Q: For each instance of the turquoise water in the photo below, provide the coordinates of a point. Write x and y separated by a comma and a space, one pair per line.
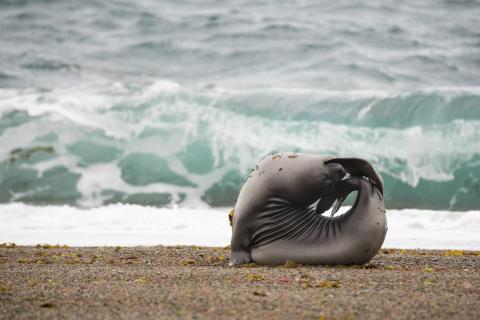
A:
172, 103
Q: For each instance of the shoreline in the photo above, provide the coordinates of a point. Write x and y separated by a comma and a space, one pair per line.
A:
133, 225
181, 282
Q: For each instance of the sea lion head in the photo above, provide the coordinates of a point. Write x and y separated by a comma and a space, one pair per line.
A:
330, 176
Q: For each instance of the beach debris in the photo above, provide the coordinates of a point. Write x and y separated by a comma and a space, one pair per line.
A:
390, 267
130, 259
328, 284
247, 265
32, 282
427, 282
50, 246
276, 156
47, 305
72, 257
230, 217
304, 276
290, 264
305, 280
216, 259
292, 156
140, 280
428, 269
259, 293
454, 253
255, 277
42, 261
8, 245
188, 262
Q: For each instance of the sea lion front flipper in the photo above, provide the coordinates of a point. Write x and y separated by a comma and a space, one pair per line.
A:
240, 257
336, 205
334, 199
241, 242
326, 202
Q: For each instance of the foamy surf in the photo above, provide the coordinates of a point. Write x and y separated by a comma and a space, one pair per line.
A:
161, 143
133, 225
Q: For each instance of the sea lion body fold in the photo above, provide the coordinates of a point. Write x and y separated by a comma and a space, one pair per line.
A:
275, 220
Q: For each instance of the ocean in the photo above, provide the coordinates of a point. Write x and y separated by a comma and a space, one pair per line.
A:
169, 104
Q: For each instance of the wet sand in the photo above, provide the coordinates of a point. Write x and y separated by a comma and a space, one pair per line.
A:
51, 282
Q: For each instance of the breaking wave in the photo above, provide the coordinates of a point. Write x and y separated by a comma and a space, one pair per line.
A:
164, 144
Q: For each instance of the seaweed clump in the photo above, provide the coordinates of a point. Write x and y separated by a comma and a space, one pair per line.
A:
26, 153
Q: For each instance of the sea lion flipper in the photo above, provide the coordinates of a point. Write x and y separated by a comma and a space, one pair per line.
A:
336, 205
240, 257
335, 199
357, 166
326, 202
241, 242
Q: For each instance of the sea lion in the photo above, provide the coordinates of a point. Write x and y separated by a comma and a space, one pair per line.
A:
275, 220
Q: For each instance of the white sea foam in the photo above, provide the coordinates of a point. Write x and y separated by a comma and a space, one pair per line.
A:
129, 225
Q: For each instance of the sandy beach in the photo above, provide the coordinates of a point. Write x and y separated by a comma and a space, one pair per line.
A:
57, 282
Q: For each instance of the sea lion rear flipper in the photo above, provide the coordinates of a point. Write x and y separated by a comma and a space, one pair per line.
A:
357, 166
